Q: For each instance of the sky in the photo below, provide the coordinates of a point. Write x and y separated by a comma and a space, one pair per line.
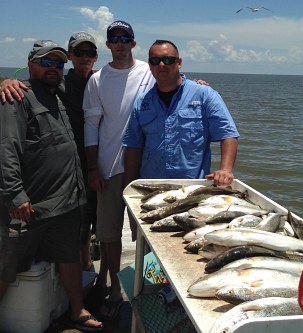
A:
210, 35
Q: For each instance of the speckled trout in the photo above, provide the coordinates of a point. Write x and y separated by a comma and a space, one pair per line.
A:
261, 308
240, 294
209, 284
250, 236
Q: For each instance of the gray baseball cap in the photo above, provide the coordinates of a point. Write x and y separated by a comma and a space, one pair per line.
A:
80, 37
43, 47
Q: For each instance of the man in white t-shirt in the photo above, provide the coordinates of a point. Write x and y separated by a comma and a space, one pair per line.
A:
108, 100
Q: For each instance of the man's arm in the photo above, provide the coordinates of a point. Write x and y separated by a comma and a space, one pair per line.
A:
132, 163
95, 181
224, 176
13, 128
12, 89
93, 113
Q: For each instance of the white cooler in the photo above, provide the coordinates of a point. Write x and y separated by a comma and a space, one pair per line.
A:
33, 301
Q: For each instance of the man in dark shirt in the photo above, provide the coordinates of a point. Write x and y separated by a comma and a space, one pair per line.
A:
41, 182
82, 52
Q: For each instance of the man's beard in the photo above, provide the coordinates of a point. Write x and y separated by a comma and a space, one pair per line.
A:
51, 81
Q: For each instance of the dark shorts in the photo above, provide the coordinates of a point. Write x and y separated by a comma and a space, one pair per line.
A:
54, 239
88, 216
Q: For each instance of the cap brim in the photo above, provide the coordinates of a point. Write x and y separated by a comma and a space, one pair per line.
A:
61, 54
77, 42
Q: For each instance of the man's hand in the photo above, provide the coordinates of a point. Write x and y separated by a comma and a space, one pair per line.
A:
12, 89
95, 181
202, 82
221, 177
23, 212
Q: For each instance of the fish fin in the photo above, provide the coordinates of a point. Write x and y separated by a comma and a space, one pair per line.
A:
244, 266
250, 307
257, 283
228, 200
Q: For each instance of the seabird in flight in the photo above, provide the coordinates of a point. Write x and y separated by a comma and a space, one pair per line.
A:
253, 9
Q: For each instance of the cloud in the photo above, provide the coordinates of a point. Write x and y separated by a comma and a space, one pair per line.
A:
295, 55
196, 51
103, 17
8, 40
220, 49
29, 39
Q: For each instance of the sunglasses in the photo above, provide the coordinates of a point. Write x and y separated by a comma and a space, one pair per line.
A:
85, 53
47, 63
122, 39
166, 60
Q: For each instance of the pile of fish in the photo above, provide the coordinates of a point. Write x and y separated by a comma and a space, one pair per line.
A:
254, 256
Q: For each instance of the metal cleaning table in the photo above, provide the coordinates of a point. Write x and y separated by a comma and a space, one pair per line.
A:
182, 268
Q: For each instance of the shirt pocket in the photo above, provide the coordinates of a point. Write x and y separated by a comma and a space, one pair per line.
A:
40, 131
191, 126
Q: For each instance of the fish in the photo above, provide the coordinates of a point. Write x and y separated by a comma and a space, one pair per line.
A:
250, 236
223, 217
209, 284
162, 198
210, 251
151, 187
149, 195
202, 231
224, 199
283, 264
261, 308
207, 210
286, 229
182, 193
238, 252
297, 224
270, 223
216, 190
195, 245
179, 206
247, 220
240, 294
187, 223
167, 224
294, 256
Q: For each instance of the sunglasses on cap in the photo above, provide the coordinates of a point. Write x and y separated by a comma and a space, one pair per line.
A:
154, 61
123, 39
85, 53
47, 63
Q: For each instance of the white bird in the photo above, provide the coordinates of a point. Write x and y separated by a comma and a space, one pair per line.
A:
253, 9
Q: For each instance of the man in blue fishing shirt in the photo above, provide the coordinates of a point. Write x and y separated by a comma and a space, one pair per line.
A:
173, 124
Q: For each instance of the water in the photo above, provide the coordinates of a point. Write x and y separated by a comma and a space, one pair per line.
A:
268, 111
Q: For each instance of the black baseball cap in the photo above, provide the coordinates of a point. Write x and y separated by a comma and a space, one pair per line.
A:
120, 25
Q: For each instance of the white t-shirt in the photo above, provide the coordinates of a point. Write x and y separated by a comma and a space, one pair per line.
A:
108, 102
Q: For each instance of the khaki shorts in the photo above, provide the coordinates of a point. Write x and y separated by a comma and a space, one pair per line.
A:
110, 210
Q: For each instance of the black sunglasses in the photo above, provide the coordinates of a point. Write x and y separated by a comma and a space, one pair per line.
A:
85, 53
166, 60
123, 39
47, 63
